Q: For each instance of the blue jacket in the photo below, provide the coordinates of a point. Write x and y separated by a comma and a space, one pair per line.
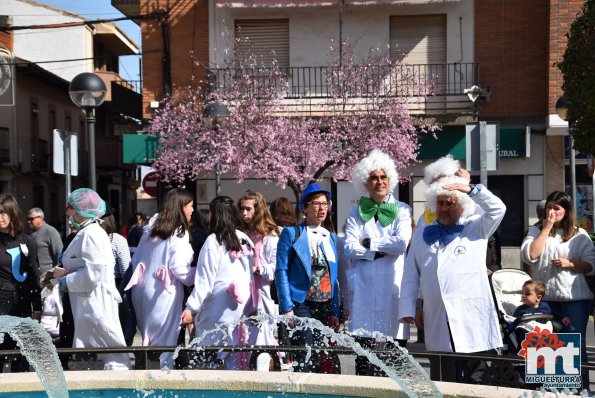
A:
294, 269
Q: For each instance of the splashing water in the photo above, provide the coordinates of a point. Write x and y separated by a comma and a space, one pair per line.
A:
401, 367
36, 345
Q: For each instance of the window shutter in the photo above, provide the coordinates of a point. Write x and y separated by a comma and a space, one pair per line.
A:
418, 39
267, 39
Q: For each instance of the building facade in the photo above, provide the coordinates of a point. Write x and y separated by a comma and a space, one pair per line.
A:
45, 60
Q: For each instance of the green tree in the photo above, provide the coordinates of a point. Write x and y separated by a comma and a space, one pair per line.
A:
578, 70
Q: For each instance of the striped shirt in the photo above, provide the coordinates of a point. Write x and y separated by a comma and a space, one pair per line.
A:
121, 254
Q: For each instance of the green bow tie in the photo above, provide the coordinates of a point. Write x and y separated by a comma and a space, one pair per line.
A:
387, 212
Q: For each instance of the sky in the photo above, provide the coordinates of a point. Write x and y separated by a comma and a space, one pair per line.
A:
102, 9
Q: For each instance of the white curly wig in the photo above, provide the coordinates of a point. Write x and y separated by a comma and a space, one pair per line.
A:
435, 189
376, 160
446, 166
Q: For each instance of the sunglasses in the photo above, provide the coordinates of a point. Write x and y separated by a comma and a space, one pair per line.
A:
30, 219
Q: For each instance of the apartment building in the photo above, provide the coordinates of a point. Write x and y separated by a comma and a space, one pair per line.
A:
45, 60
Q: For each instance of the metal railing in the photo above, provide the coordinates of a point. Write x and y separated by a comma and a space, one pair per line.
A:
134, 85
439, 88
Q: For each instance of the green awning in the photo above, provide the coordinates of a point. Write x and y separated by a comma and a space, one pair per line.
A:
451, 140
139, 148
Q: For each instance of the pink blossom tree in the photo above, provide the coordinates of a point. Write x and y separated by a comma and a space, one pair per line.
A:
365, 106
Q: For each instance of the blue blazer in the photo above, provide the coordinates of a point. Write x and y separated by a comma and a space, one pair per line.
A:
294, 269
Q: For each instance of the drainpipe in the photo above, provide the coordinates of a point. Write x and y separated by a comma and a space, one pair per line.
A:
166, 58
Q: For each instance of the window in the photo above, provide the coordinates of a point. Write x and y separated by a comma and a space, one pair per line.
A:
4, 145
267, 39
418, 39
52, 120
34, 133
34, 119
42, 155
421, 40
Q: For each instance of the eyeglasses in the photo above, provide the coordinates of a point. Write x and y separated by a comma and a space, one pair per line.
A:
30, 219
323, 205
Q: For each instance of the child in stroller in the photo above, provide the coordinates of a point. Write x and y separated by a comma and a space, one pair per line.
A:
520, 310
533, 292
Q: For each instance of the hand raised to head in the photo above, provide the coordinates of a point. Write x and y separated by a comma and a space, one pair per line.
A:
463, 174
457, 186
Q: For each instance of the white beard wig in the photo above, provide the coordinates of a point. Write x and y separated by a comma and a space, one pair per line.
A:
376, 160
435, 189
446, 166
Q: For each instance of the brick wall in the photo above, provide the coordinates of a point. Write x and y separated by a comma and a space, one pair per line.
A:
511, 41
189, 47
562, 14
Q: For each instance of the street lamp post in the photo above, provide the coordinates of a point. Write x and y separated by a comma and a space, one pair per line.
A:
87, 91
211, 116
563, 108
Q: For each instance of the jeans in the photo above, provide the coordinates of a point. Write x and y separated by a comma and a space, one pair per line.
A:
307, 336
578, 311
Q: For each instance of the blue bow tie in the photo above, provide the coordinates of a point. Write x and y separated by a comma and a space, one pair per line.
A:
445, 235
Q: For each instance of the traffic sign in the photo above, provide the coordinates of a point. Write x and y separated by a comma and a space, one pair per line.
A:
150, 183
60, 139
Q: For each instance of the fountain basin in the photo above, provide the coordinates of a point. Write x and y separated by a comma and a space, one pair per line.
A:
265, 382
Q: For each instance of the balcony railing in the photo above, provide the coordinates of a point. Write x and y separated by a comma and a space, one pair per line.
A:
439, 88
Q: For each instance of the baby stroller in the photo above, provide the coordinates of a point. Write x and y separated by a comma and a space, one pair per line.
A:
507, 287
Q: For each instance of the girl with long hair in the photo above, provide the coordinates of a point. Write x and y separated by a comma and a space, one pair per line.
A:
258, 224
283, 212
161, 268
222, 282
561, 254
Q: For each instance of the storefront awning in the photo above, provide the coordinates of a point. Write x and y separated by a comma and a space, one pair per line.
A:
139, 148
451, 140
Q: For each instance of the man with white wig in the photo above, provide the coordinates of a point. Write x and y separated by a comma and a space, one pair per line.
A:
447, 269
378, 232
444, 167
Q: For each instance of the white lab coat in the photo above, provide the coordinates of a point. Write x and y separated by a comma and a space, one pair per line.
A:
263, 333
94, 297
374, 286
158, 306
216, 311
454, 284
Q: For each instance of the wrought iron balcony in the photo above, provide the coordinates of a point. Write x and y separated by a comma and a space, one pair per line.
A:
433, 89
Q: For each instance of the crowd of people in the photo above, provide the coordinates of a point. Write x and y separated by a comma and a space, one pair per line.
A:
205, 272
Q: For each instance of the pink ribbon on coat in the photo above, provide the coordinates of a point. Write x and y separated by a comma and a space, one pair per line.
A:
256, 287
246, 249
234, 292
136, 276
162, 273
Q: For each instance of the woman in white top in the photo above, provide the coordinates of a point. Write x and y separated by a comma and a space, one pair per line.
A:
562, 254
222, 283
161, 266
